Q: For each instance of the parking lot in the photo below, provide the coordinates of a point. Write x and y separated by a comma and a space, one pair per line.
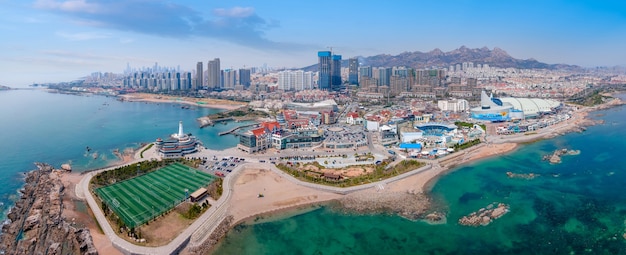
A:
220, 166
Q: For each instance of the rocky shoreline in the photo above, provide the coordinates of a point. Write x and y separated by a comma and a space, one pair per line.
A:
215, 237
36, 225
410, 205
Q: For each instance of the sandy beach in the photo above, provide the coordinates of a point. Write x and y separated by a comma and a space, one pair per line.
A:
201, 102
278, 194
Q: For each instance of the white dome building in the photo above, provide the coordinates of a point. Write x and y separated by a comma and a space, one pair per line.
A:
508, 108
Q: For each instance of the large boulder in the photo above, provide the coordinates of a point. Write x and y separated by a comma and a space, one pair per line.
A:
32, 221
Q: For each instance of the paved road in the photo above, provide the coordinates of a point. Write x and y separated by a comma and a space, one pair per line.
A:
197, 233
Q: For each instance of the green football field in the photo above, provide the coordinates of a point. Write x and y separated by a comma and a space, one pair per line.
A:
142, 198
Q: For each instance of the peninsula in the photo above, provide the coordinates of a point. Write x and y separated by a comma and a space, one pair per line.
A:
254, 175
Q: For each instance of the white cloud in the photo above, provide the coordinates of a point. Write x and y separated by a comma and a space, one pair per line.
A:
80, 6
235, 12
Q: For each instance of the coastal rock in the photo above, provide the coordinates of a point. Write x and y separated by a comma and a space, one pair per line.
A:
405, 204
83, 237
36, 224
31, 221
218, 234
435, 218
66, 167
485, 216
54, 249
555, 157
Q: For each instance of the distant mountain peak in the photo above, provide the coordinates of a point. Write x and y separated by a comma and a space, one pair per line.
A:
499, 52
436, 52
438, 58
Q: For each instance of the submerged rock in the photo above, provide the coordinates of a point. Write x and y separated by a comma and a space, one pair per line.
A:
484, 216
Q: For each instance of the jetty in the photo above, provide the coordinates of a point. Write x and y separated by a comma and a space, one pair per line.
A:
206, 121
233, 130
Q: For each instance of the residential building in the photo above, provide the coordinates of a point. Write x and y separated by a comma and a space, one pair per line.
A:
214, 74
353, 71
199, 79
244, 77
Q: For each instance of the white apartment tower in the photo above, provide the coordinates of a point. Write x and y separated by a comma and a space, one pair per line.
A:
295, 80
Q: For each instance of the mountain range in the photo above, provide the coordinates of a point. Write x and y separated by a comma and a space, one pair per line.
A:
437, 58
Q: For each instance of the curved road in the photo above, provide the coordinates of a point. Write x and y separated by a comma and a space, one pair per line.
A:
195, 235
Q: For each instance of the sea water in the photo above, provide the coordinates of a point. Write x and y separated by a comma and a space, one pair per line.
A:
575, 207
37, 126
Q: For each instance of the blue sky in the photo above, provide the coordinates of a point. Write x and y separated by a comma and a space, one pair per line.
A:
61, 40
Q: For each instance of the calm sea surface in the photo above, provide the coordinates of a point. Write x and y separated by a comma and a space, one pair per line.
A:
576, 207
36, 126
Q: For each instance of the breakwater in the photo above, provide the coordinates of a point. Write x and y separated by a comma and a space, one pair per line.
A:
233, 130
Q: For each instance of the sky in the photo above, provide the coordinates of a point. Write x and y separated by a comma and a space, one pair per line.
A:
62, 40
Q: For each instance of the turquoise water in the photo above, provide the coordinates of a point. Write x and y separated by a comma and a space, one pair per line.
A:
57, 128
576, 207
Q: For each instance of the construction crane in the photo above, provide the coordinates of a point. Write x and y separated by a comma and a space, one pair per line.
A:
331, 49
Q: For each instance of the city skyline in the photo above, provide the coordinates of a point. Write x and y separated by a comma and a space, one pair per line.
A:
89, 36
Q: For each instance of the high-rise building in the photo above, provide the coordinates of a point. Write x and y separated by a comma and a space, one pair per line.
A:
198, 83
365, 71
244, 77
295, 80
384, 74
215, 74
307, 81
230, 78
324, 66
284, 80
335, 72
353, 71
400, 71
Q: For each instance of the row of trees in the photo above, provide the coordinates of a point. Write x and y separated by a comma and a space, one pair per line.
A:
196, 210
381, 172
466, 145
129, 171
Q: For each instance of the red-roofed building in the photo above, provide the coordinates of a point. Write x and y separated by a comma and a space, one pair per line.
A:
351, 118
297, 123
260, 138
271, 127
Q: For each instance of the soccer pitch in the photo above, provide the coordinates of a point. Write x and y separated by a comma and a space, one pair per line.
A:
142, 198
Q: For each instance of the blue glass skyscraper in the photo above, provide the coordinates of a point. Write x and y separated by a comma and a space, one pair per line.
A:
324, 66
335, 72
353, 71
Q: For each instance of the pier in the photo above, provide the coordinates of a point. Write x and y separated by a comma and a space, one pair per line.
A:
232, 130
206, 121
